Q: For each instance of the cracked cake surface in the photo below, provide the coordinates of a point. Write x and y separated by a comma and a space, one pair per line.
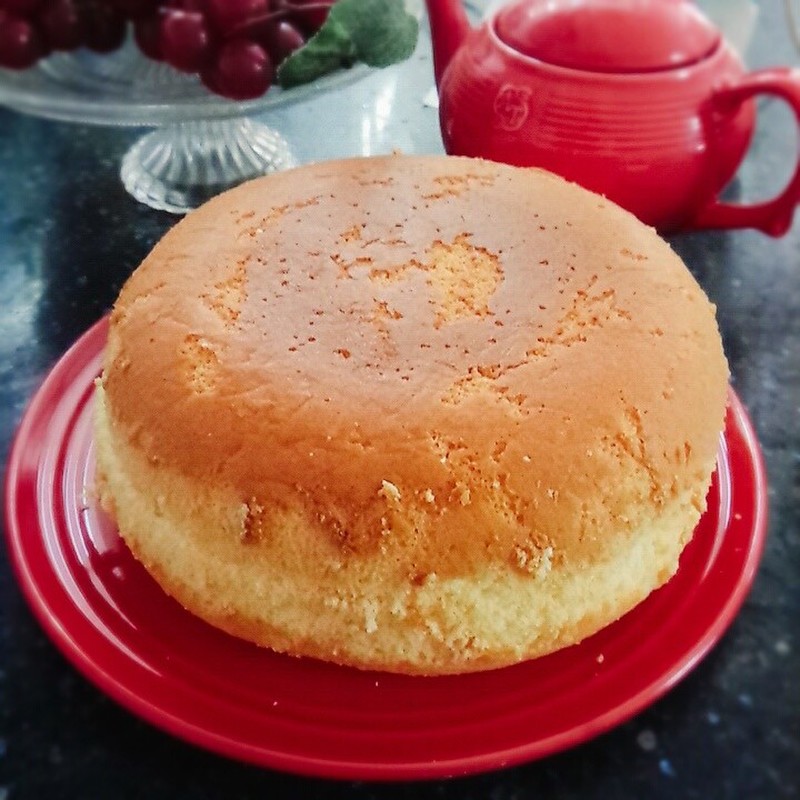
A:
426, 414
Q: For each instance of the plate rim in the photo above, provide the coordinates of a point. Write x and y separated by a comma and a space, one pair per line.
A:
70, 365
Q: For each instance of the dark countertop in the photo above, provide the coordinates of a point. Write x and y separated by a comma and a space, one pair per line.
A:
69, 236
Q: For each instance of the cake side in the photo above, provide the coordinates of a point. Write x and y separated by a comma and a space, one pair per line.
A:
289, 588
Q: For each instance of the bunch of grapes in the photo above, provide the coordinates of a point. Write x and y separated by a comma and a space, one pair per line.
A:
235, 46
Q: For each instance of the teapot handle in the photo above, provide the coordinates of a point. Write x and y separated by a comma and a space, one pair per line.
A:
771, 216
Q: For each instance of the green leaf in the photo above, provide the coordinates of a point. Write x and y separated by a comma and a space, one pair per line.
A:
382, 31
377, 32
327, 50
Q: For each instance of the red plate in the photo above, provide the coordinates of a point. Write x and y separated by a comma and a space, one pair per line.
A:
114, 623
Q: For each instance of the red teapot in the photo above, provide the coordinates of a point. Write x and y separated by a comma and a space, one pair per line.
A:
640, 100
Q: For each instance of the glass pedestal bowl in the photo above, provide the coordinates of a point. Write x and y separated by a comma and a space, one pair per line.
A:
202, 143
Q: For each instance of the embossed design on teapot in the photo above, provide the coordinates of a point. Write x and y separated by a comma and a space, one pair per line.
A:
511, 106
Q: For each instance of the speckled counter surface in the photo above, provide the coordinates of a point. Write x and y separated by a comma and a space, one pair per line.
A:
69, 236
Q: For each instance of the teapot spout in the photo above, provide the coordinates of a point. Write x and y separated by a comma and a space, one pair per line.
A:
449, 28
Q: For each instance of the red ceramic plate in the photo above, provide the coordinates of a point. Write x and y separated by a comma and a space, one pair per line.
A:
114, 623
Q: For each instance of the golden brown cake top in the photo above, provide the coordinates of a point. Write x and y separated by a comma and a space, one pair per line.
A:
394, 338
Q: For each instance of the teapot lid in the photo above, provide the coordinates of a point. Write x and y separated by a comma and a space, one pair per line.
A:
608, 35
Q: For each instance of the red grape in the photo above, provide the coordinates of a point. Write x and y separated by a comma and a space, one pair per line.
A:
228, 14
241, 70
234, 45
280, 38
20, 8
310, 19
21, 46
62, 25
186, 5
186, 42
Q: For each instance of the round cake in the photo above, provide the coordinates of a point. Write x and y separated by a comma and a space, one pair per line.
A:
420, 414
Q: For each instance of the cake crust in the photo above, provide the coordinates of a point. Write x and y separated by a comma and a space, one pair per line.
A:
425, 414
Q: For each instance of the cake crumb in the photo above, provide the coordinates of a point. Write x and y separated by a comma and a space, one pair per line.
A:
398, 607
370, 616
389, 491
534, 561
434, 629
545, 562
251, 521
